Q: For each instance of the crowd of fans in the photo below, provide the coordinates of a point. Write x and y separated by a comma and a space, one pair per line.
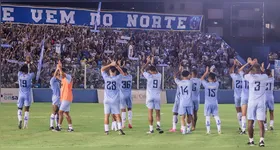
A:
80, 46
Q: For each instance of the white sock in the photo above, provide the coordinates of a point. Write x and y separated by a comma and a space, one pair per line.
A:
188, 127
158, 123
51, 120
129, 115
19, 114
218, 123
70, 126
183, 129
239, 118
151, 127
174, 122
265, 125
26, 118
251, 139
271, 123
119, 125
123, 118
59, 125
243, 123
261, 139
114, 125
207, 123
56, 119
106, 127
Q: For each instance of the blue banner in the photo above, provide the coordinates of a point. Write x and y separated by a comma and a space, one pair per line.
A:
128, 20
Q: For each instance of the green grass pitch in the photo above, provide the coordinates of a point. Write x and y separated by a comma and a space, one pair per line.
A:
89, 134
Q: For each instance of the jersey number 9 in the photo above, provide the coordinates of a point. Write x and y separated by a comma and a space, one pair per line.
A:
111, 85
23, 83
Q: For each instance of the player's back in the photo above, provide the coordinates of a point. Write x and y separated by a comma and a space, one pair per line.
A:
153, 85
126, 86
25, 83
211, 92
257, 87
55, 86
269, 88
112, 88
66, 88
245, 86
185, 88
237, 82
196, 88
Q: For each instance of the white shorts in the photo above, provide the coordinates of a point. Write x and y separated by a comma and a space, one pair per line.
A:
111, 109
153, 104
55, 100
126, 103
65, 106
23, 101
256, 111
211, 109
186, 110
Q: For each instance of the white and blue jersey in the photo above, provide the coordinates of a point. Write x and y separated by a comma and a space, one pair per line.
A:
125, 92
269, 93
112, 93
186, 103
196, 93
237, 83
176, 101
55, 86
153, 90
211, 101
257, 96
245, 89
25, 85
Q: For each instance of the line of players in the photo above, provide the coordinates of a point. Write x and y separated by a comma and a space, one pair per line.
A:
118, 92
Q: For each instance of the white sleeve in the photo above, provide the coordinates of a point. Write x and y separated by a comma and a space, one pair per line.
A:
177, 81
146, 75
232, 75
247, 77
104, 75
241, 73
68, 78
204, 83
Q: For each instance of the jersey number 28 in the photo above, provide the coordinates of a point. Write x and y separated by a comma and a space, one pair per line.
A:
111, 85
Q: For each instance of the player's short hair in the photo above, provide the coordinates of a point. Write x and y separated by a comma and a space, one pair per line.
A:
24, 68
113, 69
124, 70
256, 68
185, 73
268, 72
212, 76
152, 68
194, 71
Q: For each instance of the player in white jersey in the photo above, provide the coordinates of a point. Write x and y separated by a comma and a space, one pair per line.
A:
126, 98
24, 98
176, 106
195, 96
237, 83
211, 101
244, 96
112, 94
269, 99
152, 94
55, 87
256, 103
186, 103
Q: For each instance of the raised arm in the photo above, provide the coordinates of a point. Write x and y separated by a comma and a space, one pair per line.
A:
59, 67
205, 73
249, 60
268, 66
55, 73
178, 72
120, 70
145, 65
105, 68
231, 70
262, 67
